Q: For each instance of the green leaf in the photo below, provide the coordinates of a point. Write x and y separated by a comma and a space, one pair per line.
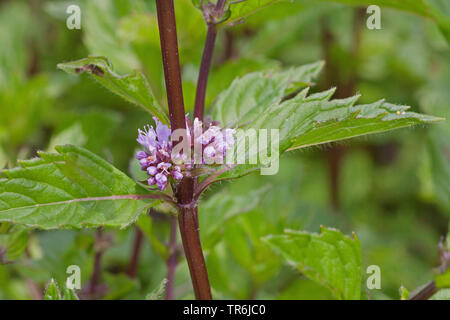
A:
99, 127
72, 135
435, 99
69, 294
443, 279
134, 88
101, 35
16, 30
438, 143
31, 101
13, 243
442, 274
145, 223
158, 293
241, 10
70, 189
219, 209
329, 258
243, 243
249, 96
197, 3
258, 101
3, 158
443, 294
415, 6
52, 292
438, 10
404, 293
221, 77
119, 286
317, 120
92, 130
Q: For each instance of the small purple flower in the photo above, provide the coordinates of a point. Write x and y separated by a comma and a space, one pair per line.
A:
141, 155
214, 140
145, 163
209, 152
155, 160
161, 181
152, 170
162, 132
151, 181
446, 256
147, 138
164, 167
176, 173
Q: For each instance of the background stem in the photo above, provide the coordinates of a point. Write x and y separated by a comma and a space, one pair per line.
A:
134, 261
426, 293
97, 262
173, 257
185, 190
94, 289
345, 88
204, 72
205, 65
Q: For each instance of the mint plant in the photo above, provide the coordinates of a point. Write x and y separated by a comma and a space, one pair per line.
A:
74, 188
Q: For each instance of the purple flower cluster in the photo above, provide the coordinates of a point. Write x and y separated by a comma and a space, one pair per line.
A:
157, 159
214, 140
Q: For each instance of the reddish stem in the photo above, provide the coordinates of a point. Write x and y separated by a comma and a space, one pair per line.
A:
205, 65
173, 257
94, 289
134, 261
345, 88
172, 71
426, 293
97, 261
185, 190
196, 262
204, 72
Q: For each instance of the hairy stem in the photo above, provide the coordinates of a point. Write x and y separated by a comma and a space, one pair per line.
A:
134, 261
185, 190
205, 65
172, 71
192, 248
173, 257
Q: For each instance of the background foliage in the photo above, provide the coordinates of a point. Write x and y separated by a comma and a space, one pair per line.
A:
391, 190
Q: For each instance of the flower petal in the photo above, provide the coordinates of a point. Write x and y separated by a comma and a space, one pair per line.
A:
162, 131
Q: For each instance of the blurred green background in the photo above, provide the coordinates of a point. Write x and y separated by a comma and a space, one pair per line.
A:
392, 189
